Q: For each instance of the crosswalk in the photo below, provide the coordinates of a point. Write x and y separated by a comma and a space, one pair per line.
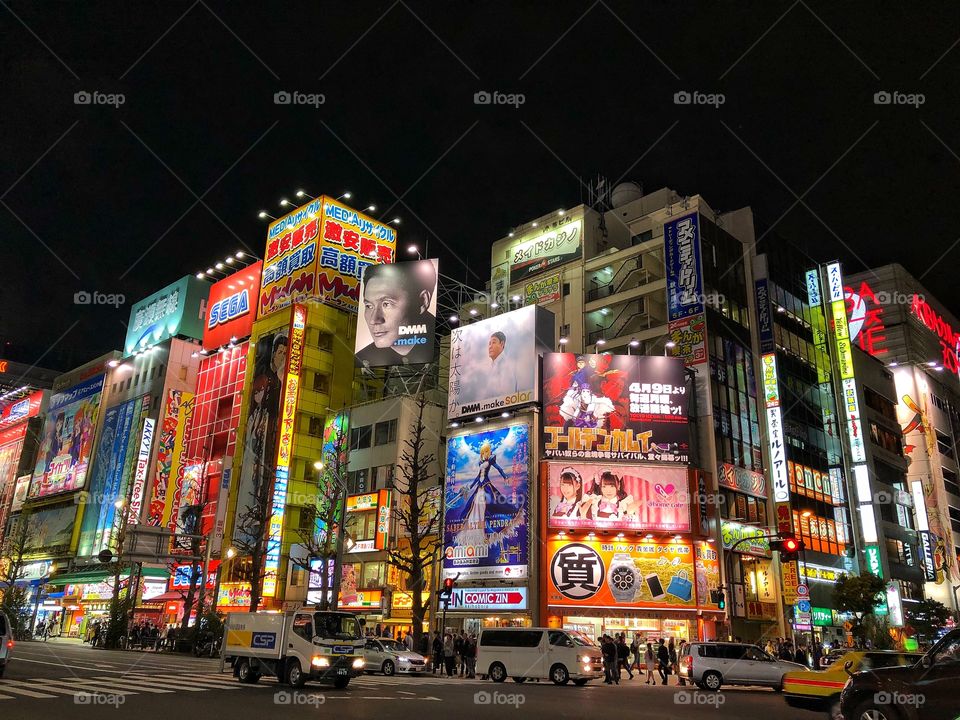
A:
102, 688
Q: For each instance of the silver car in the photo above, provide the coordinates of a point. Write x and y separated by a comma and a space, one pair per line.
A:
713, 664
389, 656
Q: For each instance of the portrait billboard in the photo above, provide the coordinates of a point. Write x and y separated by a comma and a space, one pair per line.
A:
177, 309
398, 314
487, 489
617, 574
67, 439
615, 407
493, 363
262, 423
319, 251
546, 249
617, 497
231, 307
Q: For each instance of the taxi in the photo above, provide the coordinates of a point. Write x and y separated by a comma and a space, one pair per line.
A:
819, 690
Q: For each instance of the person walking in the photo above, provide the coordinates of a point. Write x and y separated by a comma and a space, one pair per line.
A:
801, 656
635, 653
609, 651
449, 654
663, 662
408, 641
437, 653
623, 657
682, 652
672, 653
650, 659
458, 654
470, 656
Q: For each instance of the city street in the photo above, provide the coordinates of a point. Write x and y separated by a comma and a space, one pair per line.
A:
46, 678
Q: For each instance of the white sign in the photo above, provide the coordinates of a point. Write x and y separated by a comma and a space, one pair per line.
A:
140, 475
552, 247
778, 456
489, 598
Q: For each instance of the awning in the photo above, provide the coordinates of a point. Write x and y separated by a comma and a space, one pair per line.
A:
96, 576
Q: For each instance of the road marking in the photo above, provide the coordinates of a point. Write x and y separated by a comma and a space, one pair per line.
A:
195, 684
7, 697
117, 682
10, 686
76, 688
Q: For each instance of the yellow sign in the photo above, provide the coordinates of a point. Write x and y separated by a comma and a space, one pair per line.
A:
404, 600
791, 581
842, 333
761, 581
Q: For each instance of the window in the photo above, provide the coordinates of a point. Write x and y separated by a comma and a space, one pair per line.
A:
358, 480
944, 445
321, 383
385, 432
950, 481
382, 477
885, 439
559, 639
373, 575
325, 341
316, 427
308, 519
360, 438
362, 525
303, 626
511, 638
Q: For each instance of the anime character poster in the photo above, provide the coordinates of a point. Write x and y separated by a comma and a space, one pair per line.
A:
67, 439
618, 497
615, 407
487, 504
258, 463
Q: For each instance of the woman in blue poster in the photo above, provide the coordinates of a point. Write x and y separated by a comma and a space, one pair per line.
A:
481, 489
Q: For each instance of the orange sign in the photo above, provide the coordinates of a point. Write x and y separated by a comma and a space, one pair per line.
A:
791, 581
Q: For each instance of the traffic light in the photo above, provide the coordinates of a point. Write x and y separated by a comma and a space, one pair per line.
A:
447, 592
718, 598
789, 546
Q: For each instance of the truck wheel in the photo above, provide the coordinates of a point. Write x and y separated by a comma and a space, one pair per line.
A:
559, 675
498, 673
295, 676
245, 673
341, 682
388, 667
712, 681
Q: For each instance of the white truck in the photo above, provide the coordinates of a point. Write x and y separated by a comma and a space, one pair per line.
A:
324, 646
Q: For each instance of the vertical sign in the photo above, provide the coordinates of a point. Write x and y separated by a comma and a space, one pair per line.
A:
776, 441
685, 308
221, 516
288, 410
764, 318
140, 474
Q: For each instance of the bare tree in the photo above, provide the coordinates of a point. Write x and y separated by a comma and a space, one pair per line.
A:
326, 510
14, 601
418, 514
250, 537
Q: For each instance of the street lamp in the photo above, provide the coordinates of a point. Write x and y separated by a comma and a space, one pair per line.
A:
668, 345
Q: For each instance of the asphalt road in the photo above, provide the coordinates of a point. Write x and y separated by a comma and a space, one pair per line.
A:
60, 677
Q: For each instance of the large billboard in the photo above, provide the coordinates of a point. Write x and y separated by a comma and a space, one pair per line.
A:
617, 497
398, 314
603, 574
177, 309
493, 363
262, 424
615, 407
175, 422
320, 251
681, 242
546, 249
231, 307
67, 439
487, 489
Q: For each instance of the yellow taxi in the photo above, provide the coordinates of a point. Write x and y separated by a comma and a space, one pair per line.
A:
819, 690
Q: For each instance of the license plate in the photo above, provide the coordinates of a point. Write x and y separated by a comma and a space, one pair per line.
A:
341, 671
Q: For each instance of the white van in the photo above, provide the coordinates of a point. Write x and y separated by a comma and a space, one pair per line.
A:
524, 653
6, 642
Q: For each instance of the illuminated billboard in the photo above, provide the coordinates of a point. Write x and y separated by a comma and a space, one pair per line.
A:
319, 251
548, 248
617, 497
615, 407
493, 363
67, 439
231, 307
175, 310
398, 314
487, 504
174, 428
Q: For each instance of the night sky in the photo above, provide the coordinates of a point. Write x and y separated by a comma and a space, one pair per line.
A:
127, 199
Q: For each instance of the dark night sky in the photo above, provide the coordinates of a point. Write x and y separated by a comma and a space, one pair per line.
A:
100, 211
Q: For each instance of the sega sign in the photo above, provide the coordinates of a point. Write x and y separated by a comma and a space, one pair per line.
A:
230, 313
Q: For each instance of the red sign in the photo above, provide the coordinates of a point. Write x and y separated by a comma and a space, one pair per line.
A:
865, 319
231, 307
19, 410
934, 322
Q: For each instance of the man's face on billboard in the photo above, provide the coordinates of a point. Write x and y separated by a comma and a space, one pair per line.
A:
280, 360
494, 347
385, 308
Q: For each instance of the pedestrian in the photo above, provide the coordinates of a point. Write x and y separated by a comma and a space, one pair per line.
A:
437, 653
682, 652
674, 662
41, 629
458, 654
623, 657
609, 651
635, 652
449, 654
801, 656
650, 659
770, 649
817, 655
663, 662
408, 641
470, 655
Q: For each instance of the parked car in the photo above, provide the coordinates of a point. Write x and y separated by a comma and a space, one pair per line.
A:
390, 656
926, 690
710, 665
542, 653
6, 642
820, 690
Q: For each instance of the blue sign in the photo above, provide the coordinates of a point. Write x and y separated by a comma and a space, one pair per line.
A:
681, 240
263, 640
802, 605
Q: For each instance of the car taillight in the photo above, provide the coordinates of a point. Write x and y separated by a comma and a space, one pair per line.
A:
688, 661
9, 643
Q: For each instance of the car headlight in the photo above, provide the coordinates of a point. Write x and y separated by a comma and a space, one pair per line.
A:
585, 659
320, 661
404, 660
358, 663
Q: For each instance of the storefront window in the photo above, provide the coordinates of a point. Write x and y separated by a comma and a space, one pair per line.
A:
373, 575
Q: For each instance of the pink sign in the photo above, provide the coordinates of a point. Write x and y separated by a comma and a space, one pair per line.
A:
618, 497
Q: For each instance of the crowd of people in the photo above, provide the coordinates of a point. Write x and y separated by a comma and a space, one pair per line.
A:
653, 661
142, 634
454, 653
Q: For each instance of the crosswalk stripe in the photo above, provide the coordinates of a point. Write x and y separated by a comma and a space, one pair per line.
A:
189, 683
113, 685
47, 688
9, 686
145, 681
87, 687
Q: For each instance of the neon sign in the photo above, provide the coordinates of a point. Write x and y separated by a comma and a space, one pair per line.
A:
865, 321
934, 322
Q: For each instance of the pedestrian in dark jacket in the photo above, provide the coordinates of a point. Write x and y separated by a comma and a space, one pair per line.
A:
437, 653
663, 662
609, 650
623, 657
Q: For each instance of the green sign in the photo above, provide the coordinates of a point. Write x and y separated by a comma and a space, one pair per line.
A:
753, 543
873, 559
175, 310
822, 617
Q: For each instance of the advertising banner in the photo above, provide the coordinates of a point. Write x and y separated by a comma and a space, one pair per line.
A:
483, 599
140, 473
681, 238
753, 543
398, 314
177, 417
545, 250
177, 309
493, 363
620, 574
543, 291
320, 251
689, 335
615, 407
618, 497
707, 561
487, 504
742, 480
231, 307
21, 410
262, 424
499, 284
54, 528
764, 317
20, 494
